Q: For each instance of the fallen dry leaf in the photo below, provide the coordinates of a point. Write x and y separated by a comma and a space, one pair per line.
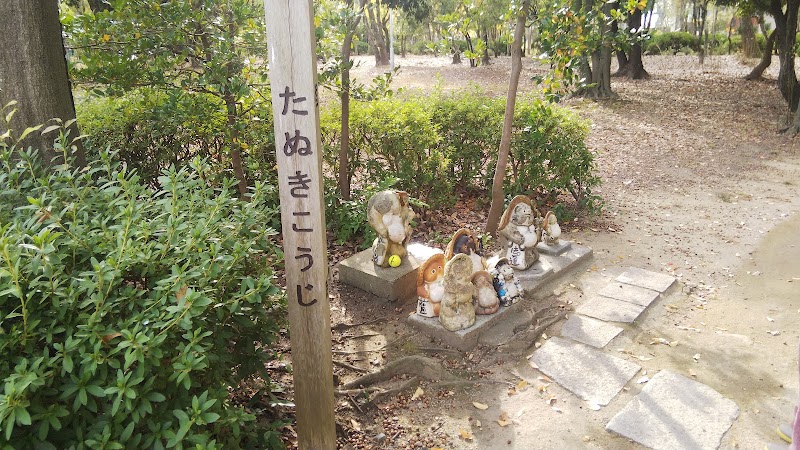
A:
418, 393
465, 434
503, 423
355, 424
522, 385
108, 337
545, 379
480, 406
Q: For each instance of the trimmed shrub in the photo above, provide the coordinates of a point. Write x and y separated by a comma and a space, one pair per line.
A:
127, 312
470, 125
670, 42
154, 129
435, 146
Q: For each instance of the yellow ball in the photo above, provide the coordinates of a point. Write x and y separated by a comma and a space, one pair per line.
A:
394, 261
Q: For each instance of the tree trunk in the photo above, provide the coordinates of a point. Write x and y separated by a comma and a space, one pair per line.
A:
99, 6
598, 70
455, 51
33, 71
786, 29
485, 59
498, 197
635, 65
622, 58
766, 59
233, 110
472, 61
375, 35
344, 147
748, 32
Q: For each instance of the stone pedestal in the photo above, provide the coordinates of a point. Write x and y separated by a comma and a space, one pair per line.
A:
544, 270
391, 283
558, 248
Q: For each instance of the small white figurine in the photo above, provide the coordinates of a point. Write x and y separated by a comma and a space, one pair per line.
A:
506, 283
550, 229
390, 214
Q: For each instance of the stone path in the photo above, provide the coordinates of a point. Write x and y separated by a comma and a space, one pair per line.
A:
671, 411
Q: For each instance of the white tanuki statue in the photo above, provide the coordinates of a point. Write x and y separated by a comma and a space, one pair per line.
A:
550, 229
518, 234
390, 215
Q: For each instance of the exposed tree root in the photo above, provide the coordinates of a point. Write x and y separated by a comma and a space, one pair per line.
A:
349, 366
355, 352
347, 326
532, 335
439, 350
537, 315
421, 366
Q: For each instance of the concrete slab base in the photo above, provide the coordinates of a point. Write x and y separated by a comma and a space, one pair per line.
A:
644, 278
673, 411
609, 309
555, 250
546, 269
589, 331
391, 283
588, 373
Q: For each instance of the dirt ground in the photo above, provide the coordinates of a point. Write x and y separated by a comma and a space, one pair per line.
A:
697, 183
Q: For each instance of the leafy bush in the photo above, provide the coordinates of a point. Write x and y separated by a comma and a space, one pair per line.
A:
470, 126
670, 42
396, 138
549, 154
438, 145
127, 312
155, 129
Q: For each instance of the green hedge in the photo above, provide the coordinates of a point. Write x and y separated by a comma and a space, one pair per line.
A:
432, 146
669, 43
127, 312
152, 130
436, 146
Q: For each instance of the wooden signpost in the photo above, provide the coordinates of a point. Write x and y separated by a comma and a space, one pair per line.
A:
293, 75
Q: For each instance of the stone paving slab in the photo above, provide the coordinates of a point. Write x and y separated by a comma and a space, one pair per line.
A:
588, 373
574, 254
609, 309
560, 247
629, 293
644, 278
589, 331
674, 412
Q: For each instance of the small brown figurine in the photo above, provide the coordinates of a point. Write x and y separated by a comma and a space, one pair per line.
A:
486, 301
457, 312
430, 286
518, 234
390, 215
464, 241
